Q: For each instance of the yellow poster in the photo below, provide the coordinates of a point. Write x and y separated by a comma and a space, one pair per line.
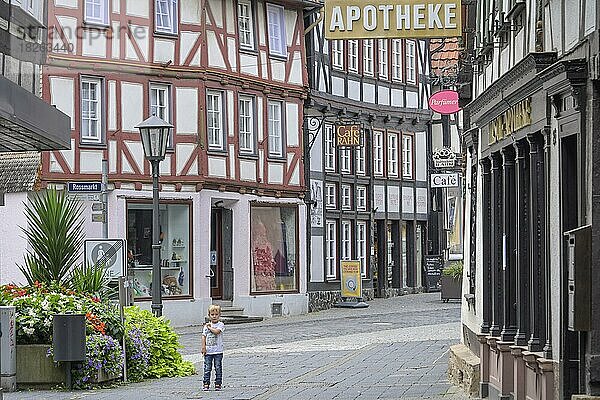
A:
365, 19
351, 279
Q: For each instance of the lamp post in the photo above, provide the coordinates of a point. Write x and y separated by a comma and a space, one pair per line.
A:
155, 134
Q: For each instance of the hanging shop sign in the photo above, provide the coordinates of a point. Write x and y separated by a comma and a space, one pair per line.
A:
444, 180
510, 121
444, 158
444, 102
348, 135
364, 19
351, 279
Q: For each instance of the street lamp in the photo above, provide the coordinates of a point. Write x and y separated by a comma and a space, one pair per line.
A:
155, 134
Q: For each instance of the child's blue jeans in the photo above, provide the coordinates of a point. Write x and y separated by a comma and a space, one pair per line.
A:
208, 362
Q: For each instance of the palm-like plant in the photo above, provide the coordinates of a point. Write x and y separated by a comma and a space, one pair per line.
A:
92, 279
55, 235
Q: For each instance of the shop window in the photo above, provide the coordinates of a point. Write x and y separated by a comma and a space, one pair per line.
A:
175, 240
274, 248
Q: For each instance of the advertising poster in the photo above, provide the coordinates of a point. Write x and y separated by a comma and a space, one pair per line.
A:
351, 280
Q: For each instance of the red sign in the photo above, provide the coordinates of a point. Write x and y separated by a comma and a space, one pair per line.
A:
444, 102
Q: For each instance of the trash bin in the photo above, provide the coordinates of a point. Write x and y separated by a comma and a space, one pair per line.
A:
8, 356
68, 337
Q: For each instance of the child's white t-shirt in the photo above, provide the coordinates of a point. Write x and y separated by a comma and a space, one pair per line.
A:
214, 343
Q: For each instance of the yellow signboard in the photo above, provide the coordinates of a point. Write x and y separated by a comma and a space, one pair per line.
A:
365, 19
351, 279
348, 135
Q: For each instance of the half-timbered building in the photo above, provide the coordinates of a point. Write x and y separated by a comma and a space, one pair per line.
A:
532, 159
368, 202
229, 76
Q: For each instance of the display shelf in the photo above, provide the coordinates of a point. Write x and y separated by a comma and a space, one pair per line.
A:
178, 247
176, 261
150, 268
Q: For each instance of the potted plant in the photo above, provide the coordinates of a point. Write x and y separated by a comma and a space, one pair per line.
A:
451, 281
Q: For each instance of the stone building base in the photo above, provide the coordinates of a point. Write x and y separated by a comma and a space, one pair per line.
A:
463, 369
325, 299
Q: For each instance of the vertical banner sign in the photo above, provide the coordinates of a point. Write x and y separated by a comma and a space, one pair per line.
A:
351, 279
380, 19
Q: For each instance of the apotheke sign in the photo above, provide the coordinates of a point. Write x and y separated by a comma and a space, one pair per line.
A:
364, 19
444, 180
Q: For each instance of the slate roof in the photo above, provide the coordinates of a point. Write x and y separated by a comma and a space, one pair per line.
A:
19, 172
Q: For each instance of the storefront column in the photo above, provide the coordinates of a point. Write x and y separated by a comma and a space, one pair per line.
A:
486, 220
537, 299
509, 328
496, 243
546, 241
522, 243
411, 280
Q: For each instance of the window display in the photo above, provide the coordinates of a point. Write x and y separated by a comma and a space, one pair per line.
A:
175, 252
274, 248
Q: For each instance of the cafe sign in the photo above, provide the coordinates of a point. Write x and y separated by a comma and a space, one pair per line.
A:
348, 135
510, 121
445, 180
365, 19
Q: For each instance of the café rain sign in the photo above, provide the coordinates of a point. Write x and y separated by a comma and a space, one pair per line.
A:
364, 19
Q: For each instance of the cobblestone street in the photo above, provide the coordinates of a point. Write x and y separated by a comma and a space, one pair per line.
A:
395, 349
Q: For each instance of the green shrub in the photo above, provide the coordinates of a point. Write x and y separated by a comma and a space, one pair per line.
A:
165, 359
454, 269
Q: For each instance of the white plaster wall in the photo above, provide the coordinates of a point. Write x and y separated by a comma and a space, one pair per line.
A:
62, 96
249, 64
90, 161
131, 105
337, 86
383, 96
187, 110
275, 171
215, 57
354, 90
164, 50
397, 98
292, 130
420, 156
316, 152
93, 43
190, 12
369, 93
317, 272
137, 8
412, 99
12, 240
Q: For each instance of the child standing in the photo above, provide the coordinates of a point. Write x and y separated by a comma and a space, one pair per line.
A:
212, 347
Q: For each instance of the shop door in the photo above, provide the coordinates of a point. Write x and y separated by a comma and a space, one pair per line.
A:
221, 271
216, 257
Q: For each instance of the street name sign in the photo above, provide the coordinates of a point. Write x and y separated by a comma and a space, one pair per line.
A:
85, 187
366, 19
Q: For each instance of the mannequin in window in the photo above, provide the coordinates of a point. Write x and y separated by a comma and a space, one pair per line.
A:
262, 257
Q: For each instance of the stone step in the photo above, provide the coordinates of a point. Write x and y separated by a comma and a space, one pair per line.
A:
231, 311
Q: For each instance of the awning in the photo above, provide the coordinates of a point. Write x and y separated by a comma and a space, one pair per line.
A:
27, 123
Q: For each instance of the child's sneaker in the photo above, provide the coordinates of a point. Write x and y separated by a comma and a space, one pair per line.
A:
205, 388
217, 387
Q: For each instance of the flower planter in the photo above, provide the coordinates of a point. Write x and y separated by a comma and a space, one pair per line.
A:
102, 376
34, 368
451, 288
